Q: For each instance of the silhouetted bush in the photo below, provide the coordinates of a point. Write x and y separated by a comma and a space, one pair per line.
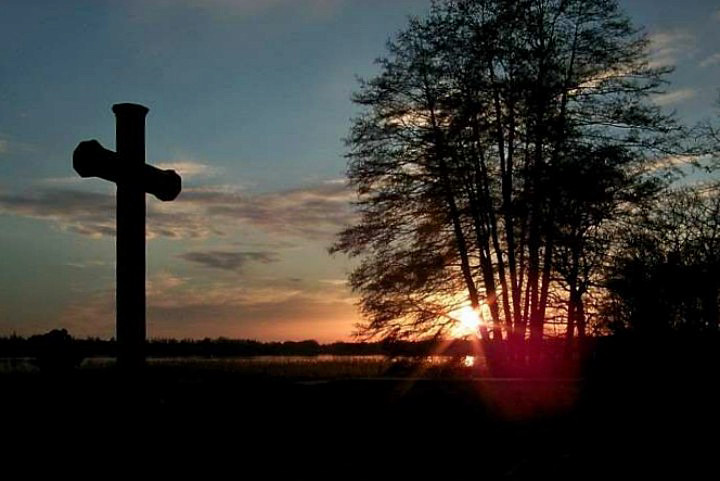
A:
55, 351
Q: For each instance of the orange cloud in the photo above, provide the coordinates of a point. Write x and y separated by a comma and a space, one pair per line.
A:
273, 309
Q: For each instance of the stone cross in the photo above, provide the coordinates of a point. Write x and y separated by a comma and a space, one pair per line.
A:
127, 169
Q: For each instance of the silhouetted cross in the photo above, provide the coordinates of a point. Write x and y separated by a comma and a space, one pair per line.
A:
127, 168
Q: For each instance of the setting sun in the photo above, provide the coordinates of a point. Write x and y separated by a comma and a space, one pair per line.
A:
468, 321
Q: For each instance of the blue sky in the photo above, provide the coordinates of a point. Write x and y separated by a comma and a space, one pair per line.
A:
249, 100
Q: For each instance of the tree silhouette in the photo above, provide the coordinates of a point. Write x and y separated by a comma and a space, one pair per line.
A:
496, 142
597, 193
667, 277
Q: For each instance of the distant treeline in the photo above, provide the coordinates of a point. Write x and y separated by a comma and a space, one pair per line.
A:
59, 340
680, 354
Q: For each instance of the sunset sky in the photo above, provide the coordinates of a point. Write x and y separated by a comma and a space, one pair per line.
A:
249, 100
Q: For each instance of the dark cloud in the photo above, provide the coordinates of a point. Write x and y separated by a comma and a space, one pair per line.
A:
93, 213
87, 213
230, 261
312, 213
318, 212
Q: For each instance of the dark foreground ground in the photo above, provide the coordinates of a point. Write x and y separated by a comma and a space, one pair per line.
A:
609, 427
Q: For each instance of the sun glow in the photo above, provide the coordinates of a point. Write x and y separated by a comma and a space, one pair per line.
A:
468, 320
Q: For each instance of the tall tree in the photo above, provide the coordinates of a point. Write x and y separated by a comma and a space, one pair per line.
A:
467, 149
598, 193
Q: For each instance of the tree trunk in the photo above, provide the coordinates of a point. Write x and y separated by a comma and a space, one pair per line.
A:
481, 237
500, 137
581, 319
454, 215
482, 213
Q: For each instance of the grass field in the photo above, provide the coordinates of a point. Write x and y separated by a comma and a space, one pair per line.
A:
373, 408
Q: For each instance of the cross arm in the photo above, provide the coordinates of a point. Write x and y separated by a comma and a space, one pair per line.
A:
91, 159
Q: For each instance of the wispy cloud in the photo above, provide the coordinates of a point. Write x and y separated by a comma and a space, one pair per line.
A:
87, 213
92, 264
316, 212
229, 261
675, 97
680, 163
70, 180
171, 291
162, 281
189, 169
273, 309
672, 162
711, 60
93, 214
666, 48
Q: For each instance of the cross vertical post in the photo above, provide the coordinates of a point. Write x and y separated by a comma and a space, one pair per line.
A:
130, 240
134, 178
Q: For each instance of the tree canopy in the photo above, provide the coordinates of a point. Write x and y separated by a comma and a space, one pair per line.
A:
494, 154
